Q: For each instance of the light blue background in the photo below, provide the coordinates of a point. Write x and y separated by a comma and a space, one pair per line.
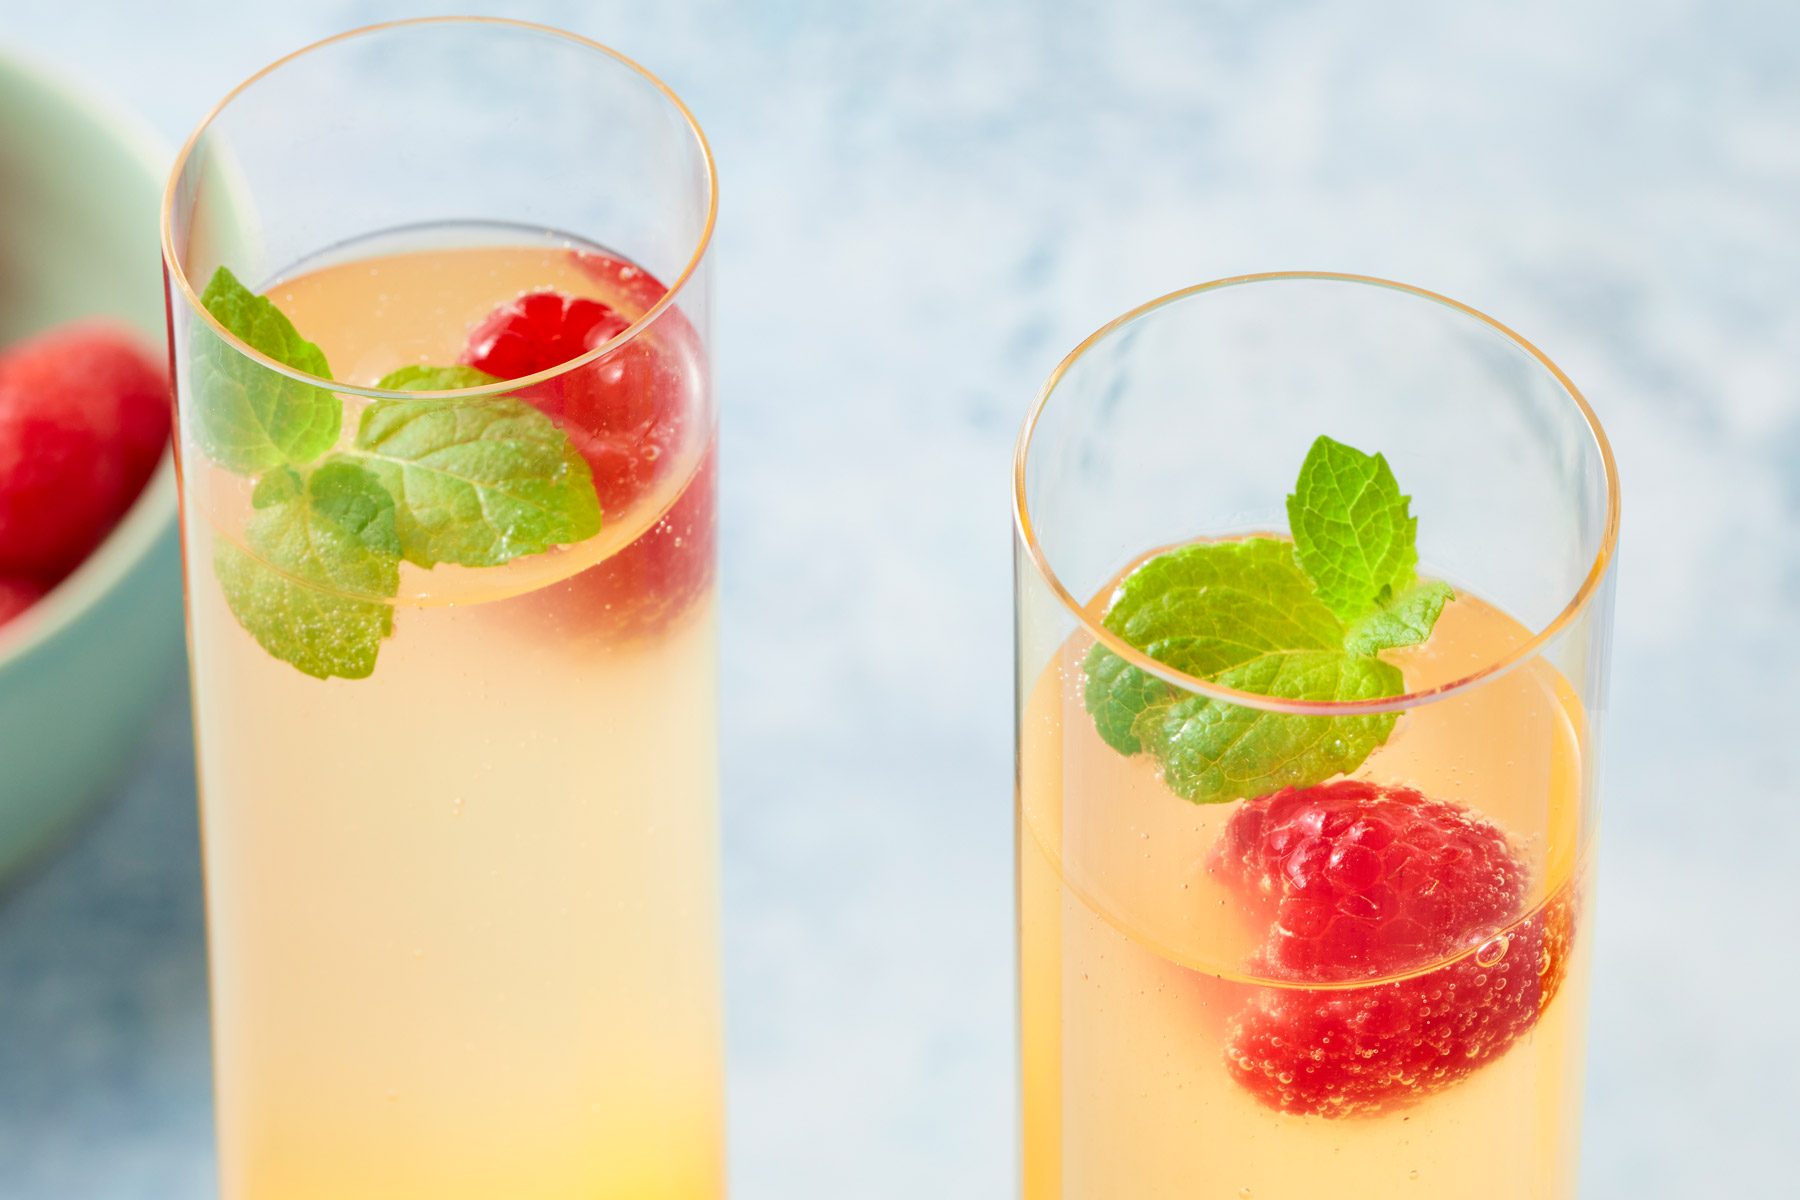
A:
927, 204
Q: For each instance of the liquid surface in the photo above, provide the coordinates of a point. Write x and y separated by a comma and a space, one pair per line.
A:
463, 913
418, 307
1138, 958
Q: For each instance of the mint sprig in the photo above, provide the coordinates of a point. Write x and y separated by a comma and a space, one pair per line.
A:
1403, 620
1211, 750
1300, 620
475, 482
247, 417
1353, 533
323, 558
1203, 609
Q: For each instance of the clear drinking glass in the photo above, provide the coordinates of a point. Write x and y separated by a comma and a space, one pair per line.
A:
449, 547
1308, 986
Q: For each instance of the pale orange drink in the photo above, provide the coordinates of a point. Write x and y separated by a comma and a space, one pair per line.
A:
1305, 818
1141, 989
461, 874
440, 324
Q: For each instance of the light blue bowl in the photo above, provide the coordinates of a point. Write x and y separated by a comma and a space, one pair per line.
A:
80, 190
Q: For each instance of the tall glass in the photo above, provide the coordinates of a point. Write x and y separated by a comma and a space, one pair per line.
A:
1313, 974
449, 549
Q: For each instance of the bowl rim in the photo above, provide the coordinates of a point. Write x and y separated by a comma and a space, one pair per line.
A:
138, 531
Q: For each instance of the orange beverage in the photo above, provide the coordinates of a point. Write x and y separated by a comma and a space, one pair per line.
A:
439, 315
463, 909
1138, 962
1305, 826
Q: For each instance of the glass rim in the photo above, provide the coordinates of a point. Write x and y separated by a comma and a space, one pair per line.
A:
178, 272
1590, 584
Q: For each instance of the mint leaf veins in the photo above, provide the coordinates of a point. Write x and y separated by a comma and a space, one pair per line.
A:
1352, 532
476, 482
324, 556
248, 417
1403, 620
1202, 609
1212, 750
1299, 620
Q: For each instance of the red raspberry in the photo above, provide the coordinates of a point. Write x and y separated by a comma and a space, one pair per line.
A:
17, 595
84, 417
621, 278
1367, 880
628, 412
538, 331
632, 414
656, 578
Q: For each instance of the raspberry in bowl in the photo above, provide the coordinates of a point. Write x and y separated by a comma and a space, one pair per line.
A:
90, 588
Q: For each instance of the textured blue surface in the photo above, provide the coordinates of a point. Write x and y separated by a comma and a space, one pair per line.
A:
924, 207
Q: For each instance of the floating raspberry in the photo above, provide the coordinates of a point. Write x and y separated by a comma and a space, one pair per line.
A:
655, 579
620, 277
1367, 880
84, 417
634, 414
1364, 880
538, 331
627, 412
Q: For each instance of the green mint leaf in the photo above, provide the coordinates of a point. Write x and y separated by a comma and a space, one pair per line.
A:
1405, 620
1352, 532
324, 551
1209, 606
260, 325
1213, 751
421, 378
1300, 620
1117, 693
247, 417
477, 483
1202, 609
